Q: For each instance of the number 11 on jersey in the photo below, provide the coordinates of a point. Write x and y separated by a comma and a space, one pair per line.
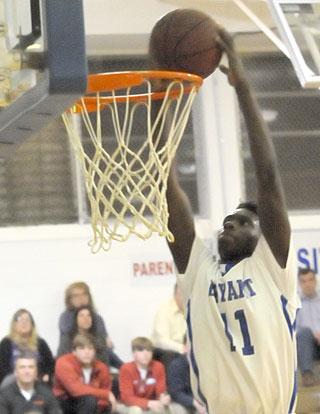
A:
248, 348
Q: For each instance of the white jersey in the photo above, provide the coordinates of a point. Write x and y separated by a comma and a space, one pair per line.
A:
241, 331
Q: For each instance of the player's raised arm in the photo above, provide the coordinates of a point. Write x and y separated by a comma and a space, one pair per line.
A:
181, 222
272, 211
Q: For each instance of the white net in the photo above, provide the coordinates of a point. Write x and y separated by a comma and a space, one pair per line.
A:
127, 189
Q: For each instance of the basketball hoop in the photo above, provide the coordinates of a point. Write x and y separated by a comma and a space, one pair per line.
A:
127, 188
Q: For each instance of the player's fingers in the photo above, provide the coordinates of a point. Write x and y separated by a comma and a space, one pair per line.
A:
224, 69
225, 39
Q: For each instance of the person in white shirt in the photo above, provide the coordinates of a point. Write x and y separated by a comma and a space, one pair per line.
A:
169, 329
308, 326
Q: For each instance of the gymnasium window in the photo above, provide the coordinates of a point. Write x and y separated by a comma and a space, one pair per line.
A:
292, 114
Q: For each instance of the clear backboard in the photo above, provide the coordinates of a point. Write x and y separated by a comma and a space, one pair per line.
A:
43, 65
298, 23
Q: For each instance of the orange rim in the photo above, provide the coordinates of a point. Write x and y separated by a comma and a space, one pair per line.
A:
104, 82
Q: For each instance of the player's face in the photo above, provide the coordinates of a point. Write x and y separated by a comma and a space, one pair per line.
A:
25, 371
142, 357
308, 284
84, 320
238, 236
85, 355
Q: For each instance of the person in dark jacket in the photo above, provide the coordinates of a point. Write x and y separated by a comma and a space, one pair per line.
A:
26, 395
179, 387
23, 337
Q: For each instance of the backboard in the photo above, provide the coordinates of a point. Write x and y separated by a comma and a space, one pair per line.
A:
43, 65
298, 23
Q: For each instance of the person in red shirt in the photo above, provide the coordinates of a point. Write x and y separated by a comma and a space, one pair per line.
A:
82, 383
142, 382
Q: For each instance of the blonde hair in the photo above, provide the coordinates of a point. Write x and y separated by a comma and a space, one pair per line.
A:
32, 341
77, 285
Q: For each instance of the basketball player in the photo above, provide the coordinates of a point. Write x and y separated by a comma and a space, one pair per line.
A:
241, 309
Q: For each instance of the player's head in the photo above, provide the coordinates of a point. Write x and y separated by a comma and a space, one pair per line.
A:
307, 281
239, 234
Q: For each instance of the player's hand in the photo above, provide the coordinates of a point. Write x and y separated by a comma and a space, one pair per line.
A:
235, 71
113, 402
155, 405
201, 409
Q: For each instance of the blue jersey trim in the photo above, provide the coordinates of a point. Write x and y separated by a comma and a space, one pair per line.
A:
292, 328
284, 302
193, 359
294, 395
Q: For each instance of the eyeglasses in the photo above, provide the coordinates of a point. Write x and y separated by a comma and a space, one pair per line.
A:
78, 295
22, 319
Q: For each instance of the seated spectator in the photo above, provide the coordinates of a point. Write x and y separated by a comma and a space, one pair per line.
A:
169, 329
142, 382
84, 322
25, 394
82, 384
78, 294
179, 386
308, 326
23, 337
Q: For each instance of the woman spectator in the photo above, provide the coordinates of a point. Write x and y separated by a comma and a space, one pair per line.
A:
84, 322
23, 337
78, 294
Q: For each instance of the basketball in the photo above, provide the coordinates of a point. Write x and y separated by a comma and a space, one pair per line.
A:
184, 40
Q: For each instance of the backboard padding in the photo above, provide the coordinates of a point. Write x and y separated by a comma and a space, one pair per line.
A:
61, 79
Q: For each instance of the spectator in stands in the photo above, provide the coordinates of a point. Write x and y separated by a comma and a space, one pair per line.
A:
82, 384
169, 329
179, 386
308, 326
84, 322
142, 382
78, 294
26, 394
23, 337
